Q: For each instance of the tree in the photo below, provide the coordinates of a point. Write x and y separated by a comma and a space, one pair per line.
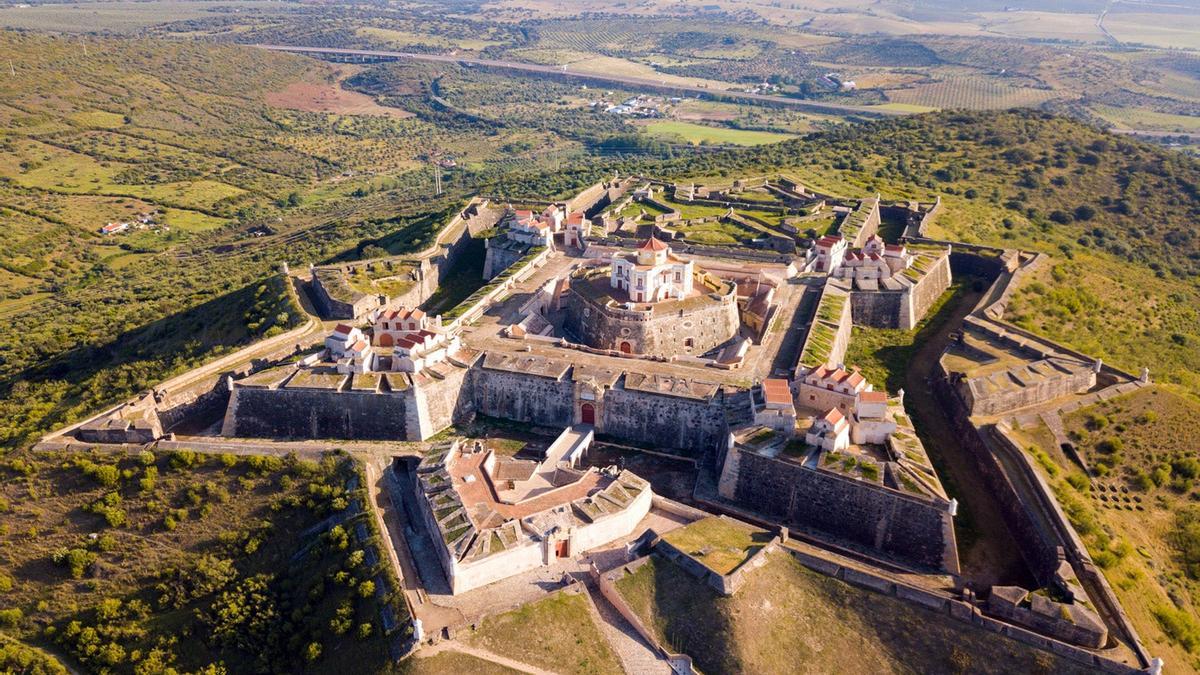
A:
312, 652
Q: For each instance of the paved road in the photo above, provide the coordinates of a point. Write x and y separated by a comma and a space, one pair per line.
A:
764, 99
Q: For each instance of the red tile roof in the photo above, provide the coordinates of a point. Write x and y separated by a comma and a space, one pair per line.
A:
653, 244
777, 391
873, 397
343, 329
834, 416
828, 240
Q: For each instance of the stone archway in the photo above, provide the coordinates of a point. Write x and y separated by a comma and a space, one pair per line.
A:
626, 347
587, 414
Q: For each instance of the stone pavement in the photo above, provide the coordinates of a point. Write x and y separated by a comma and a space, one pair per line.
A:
636, 656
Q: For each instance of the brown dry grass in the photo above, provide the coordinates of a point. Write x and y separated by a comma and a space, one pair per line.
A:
320, 90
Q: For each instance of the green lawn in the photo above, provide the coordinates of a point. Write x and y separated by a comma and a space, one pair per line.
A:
700, 133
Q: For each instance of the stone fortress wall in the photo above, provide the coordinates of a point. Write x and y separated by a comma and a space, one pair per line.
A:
427, 269
305, 413
868, 515
905, 308
706, 325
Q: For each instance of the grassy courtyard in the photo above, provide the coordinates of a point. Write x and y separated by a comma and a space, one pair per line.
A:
556, 633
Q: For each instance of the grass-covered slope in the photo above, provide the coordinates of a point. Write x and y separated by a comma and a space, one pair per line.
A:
137, 564
1140, 514
788, 619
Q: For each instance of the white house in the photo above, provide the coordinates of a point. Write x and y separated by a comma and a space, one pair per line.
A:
341, 339
830, 250
830, 432
871, 421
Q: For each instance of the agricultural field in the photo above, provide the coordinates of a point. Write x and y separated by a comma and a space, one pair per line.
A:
700, 134
1137, 510
971, 92
1133, 118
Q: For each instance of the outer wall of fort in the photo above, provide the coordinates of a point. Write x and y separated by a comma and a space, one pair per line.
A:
419, 412
867, 515
905, 308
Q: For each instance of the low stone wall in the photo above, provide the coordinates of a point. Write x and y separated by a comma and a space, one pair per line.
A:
1101, 594
868, 515
725, 584
681, 664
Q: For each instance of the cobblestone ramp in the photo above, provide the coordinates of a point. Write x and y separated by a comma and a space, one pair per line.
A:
637, 657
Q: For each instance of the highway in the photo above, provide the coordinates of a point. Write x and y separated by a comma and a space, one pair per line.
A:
565, 71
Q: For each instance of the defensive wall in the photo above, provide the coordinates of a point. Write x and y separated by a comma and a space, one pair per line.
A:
871, 516
902, 308
337, 299
698, 325
629, 407
304, 413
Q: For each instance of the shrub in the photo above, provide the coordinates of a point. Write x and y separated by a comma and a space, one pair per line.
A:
183, 459
76, 560
9, 618
1186, 467
1179, 626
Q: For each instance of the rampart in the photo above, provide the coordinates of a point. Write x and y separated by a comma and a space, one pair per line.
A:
304, 413
664, 421
874, 517
700, 324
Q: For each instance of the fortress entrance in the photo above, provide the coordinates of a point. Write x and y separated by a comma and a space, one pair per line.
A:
587, 414
626, 348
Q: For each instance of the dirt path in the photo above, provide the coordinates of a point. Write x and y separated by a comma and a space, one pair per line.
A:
988, 552
450, 646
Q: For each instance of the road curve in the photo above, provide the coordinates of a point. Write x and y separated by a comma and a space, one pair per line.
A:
564, 71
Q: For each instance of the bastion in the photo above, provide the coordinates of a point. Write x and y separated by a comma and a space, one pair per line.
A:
691, 325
